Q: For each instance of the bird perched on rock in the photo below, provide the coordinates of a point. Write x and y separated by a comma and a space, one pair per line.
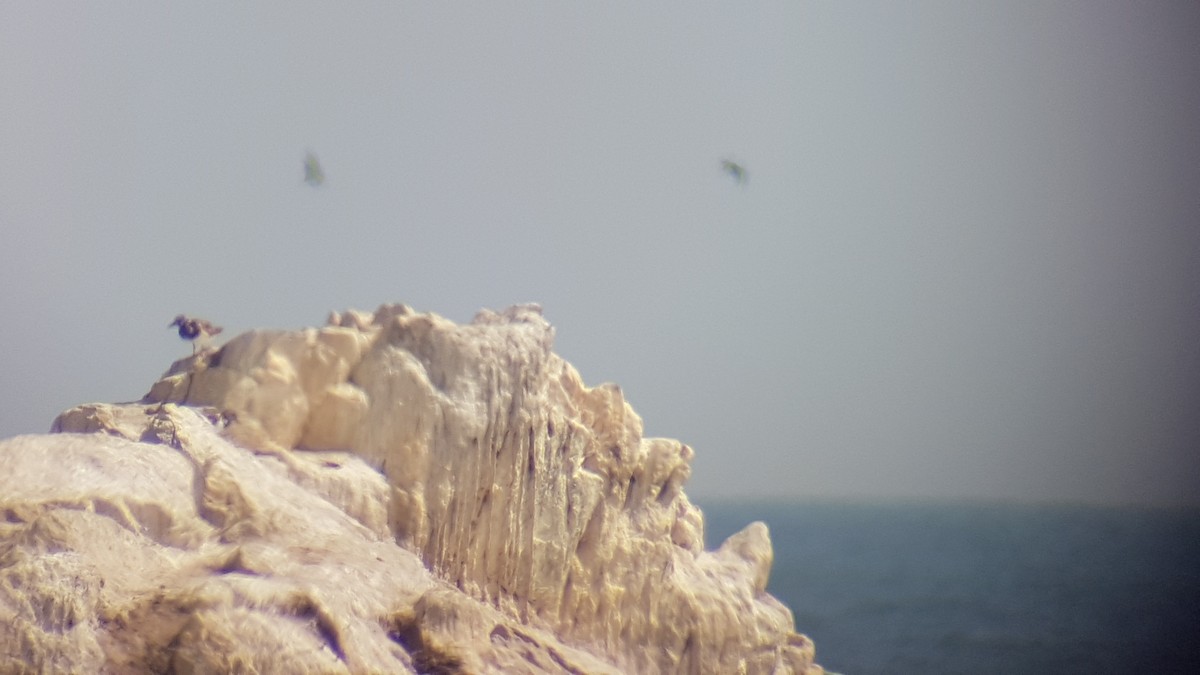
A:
194, 330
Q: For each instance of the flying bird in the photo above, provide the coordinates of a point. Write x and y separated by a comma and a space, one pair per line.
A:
737, 171
313, 175
194, 330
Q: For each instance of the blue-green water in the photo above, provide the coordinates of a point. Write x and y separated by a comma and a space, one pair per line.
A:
973, 588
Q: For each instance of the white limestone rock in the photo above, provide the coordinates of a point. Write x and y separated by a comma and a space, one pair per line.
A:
391, 492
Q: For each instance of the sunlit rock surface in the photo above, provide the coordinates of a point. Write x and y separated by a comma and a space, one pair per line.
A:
390, 493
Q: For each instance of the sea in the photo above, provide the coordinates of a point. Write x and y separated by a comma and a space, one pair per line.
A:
977, 588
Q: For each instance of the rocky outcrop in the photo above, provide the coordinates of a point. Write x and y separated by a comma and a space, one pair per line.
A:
391, 492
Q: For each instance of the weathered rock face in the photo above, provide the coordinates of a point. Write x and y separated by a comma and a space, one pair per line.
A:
390, 492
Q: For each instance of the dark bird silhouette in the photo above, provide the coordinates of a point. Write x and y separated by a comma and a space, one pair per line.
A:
194, 330
737, 171
313, 175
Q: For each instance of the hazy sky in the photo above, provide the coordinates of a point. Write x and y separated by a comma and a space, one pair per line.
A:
966, 262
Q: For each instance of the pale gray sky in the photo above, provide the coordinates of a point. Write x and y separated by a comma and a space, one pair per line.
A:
966, 262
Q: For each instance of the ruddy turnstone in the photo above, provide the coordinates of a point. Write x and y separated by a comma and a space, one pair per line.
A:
313, 175
194, 330
737, 171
